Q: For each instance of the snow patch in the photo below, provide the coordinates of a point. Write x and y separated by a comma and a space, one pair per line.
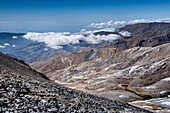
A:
123, 96
162, 92
133, 68
166, 79
150, 107
150, 87
166, 103
106, 69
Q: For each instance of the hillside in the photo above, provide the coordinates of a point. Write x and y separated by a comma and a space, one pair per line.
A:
63, 61
146, 30
144, 42
133, 74
25, 90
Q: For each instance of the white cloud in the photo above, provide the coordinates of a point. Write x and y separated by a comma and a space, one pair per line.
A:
1, 46
56, 40
99, 38
6, 44
14, 37
125, 33
121, 23
13, 45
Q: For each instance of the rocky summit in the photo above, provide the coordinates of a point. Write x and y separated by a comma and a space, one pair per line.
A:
22, 89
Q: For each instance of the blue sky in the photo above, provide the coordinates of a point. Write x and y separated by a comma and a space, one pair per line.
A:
73, 15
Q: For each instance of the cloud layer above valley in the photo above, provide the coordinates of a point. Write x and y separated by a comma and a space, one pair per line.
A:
56, 40
122, 23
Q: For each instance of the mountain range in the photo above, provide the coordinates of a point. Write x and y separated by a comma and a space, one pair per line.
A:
133, 67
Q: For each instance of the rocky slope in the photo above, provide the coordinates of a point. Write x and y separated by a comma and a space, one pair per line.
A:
22, 89
136, 73
63, 61
143, 42
146, 30
143, 35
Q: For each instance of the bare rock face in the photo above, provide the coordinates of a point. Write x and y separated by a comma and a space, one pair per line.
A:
22, 89
136, 73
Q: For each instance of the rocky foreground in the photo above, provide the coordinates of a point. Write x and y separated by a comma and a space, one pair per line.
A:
24, 90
